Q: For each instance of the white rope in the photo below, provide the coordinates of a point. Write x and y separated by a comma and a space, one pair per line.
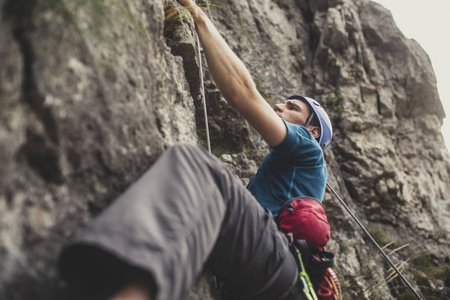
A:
202, 83
209, 10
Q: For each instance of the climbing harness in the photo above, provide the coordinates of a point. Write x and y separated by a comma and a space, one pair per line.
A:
374, 242
317, 280
308, 289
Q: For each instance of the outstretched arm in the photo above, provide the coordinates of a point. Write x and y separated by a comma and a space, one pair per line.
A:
234, 80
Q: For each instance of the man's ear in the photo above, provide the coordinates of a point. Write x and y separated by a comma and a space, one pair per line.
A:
315, 131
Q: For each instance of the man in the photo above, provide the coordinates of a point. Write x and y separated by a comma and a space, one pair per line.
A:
296, 166
188, 210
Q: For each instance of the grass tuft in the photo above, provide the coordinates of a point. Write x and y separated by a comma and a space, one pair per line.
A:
378, 234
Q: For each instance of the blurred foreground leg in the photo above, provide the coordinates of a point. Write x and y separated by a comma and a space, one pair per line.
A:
188, 209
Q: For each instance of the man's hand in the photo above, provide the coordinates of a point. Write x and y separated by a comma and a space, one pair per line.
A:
192, 7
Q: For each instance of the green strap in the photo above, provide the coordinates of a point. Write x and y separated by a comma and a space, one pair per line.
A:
308, 289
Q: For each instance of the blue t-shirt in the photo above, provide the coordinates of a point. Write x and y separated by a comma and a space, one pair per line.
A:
294, 168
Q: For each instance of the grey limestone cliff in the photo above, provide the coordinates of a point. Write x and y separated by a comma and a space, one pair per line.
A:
91, 92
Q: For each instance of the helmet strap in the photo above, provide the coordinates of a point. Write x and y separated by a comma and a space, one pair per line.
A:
310, 118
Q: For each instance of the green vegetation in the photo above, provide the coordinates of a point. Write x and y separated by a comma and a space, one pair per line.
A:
406, 296
262, 91
291, 2
424, 262
286, 5
96, 24
378, 234
95, 10
367, 273
333, 103
427, 269
174, 12
251, 154
244, 34
217, 147
220, 2
355, 145
201, 135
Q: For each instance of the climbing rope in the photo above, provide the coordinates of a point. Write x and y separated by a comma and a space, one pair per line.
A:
373, 241
209, 10
202, 84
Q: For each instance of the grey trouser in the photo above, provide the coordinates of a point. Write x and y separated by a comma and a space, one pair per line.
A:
185, 212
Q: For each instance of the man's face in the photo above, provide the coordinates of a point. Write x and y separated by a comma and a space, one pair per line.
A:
293, 111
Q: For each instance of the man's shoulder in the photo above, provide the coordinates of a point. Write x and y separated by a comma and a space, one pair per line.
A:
298, 143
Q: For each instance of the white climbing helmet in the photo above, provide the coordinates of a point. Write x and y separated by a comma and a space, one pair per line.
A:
326, 130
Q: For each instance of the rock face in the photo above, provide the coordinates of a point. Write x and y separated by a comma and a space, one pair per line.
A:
92, 93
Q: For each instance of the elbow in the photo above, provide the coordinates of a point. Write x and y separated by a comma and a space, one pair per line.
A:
248, 102
246, 96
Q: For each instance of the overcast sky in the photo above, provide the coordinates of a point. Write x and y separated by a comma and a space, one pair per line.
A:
428, 22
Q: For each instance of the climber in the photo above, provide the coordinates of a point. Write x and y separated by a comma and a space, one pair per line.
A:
296, 166
188, 211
